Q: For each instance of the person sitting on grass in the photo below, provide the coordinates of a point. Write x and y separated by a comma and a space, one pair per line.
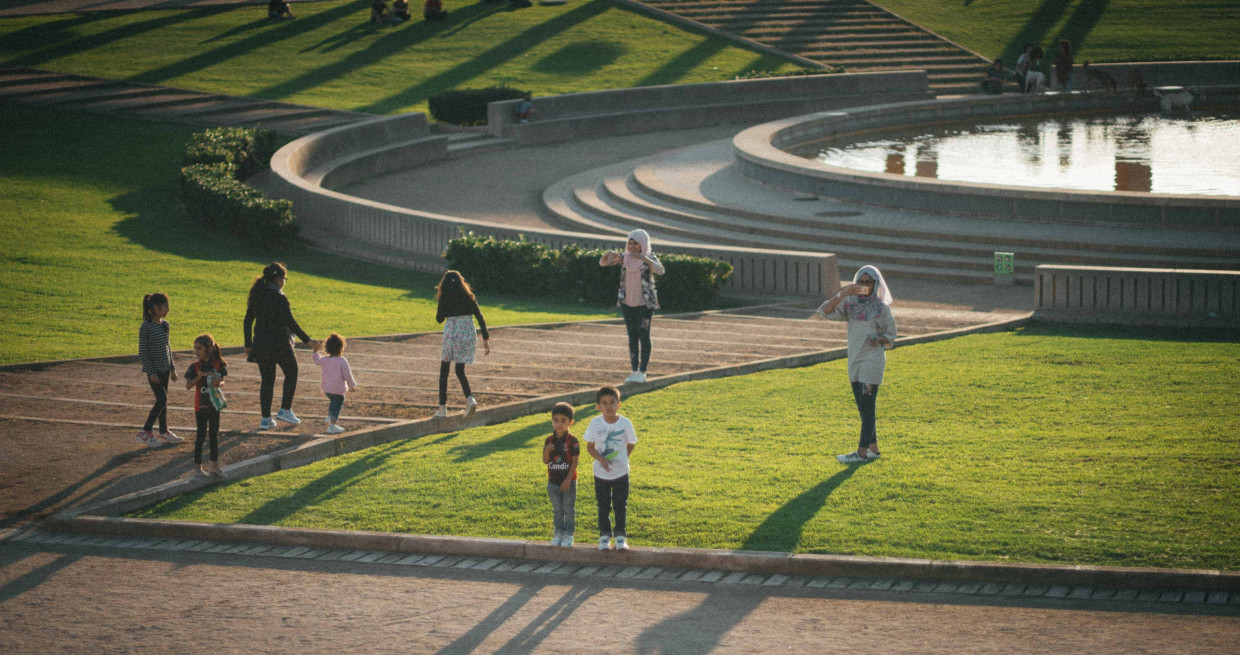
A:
433, 10
378, 11
400, 11
279, 9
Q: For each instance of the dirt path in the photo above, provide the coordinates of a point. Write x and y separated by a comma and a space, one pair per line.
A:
74, 600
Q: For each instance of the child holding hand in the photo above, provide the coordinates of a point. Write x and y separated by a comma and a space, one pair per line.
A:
337, 377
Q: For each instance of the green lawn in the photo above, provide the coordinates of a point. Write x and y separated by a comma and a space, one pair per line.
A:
331, 56
1099, 30
1043, 445
92, 220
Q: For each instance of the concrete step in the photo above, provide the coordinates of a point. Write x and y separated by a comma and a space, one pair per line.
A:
36, 88
116, 91
12, 78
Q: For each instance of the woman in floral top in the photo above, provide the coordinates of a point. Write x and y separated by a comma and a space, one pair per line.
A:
637, 297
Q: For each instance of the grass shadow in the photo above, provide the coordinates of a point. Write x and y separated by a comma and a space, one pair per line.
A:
241, 29
580, 58
683, 63
1035, 30
520, 439
1082, 21
54, 40
781, 531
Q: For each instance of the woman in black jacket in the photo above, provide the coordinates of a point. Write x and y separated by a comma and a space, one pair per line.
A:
270, 343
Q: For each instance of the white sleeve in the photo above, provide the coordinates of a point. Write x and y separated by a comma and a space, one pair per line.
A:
631, 436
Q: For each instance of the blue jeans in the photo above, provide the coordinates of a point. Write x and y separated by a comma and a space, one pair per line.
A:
333, 407
563, 507
612, 495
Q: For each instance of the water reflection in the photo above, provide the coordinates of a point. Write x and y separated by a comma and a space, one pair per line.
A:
1143, 153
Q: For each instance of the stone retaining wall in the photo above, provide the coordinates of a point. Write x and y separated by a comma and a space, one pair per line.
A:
678, 106
379, 232
1171, 73
1137, 296
763, 153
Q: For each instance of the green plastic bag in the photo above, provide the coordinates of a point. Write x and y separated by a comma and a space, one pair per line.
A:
216, 395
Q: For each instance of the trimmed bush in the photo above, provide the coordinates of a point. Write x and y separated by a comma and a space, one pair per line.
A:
469, 106
216, 162
528, 268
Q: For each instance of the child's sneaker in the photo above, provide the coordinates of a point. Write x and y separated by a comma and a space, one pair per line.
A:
213, 469
622, 543
850, 458
334, 429
641, 377
567, 541
556, 539
266, 424
632, 376
169, 437
442, 412
200, 472
147, 439
871, 455
604, 542
470, 406
287, 416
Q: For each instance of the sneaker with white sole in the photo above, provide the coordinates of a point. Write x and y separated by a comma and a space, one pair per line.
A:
566, 541
146, 438
632, 377
266, 424
641, 377
870, 455
556, 539
334, 429
168, 437
199, 472
604, 542
622, 543
470, 406
287, 416
442, 412
850, 458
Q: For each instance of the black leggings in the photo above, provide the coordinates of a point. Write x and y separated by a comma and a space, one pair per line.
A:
208, 426
637, 323
866, 396
160, 409
443, 381
267, 370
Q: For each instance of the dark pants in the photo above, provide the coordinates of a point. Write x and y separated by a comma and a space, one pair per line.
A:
208, 427
160, 409
334, 405
443, 381
637, 323
866, 396
611, 495
267, 370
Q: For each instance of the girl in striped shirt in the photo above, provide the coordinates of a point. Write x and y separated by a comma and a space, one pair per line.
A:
156, 356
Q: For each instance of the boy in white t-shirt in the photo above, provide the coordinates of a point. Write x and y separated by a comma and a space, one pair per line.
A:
610, 440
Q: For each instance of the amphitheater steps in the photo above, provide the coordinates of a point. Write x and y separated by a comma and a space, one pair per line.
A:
854, 34
95, 95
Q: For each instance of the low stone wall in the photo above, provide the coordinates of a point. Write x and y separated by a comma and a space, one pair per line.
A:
399, 236
764, 153
653, 108
1137, 296
1170, 73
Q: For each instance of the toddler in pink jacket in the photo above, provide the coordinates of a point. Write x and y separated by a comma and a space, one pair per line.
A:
337, 377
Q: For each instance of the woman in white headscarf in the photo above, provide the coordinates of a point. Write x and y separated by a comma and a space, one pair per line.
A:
637, 297
866, 305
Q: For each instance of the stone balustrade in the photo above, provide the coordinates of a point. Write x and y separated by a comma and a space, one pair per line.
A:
1137, 296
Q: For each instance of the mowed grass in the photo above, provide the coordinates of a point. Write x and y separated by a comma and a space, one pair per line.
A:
332, 56
92, 220
1131, 30
1043, 445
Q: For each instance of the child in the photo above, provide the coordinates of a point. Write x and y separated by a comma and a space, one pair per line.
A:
336, 376
156, 357
560, 454
207, 371
610, 440
458, 306
637, 297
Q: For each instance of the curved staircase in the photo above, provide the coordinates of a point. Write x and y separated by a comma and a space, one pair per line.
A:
854, 34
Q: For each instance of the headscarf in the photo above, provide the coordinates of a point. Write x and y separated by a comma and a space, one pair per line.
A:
630, 261
881, 291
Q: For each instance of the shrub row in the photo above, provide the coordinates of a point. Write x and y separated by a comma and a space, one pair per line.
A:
759, 74
216, 162
527, 268
469, 106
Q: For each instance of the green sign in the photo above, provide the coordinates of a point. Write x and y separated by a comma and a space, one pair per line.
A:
1004, 263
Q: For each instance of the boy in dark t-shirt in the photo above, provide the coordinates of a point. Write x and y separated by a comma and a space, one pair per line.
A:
560, 453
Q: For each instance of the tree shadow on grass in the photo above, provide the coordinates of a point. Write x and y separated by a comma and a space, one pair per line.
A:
1082, 21
1079, 24
781, 531
242, 29
682, 64
57, 39
524, 438
580, 58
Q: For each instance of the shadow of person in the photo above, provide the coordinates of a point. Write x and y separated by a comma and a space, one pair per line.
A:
699, 630
781, 531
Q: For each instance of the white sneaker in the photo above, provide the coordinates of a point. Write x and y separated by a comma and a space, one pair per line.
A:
470, 406
850, 458
567, 541
287, 416
641, 377
632, 377
556, 539
266, 424
442, 412
334, 429
168, 437
622, 543
604, 542
147, 439
870, 455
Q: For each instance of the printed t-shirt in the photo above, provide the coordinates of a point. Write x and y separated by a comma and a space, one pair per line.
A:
561, 458
610, 441
202, 399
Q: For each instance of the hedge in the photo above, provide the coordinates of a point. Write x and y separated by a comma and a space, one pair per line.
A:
216, 162
527, 268
469, 106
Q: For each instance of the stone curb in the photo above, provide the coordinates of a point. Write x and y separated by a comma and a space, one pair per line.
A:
690, 558
324, 447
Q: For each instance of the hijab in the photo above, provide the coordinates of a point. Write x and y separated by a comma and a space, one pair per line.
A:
881, 291
632, 262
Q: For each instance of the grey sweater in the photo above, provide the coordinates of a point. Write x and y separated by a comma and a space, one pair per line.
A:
153, 349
